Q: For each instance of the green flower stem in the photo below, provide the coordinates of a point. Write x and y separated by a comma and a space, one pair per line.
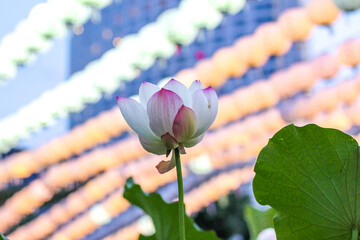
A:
181, 195
355, 234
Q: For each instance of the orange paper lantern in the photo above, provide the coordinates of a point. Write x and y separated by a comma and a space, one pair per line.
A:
273, 39
228, 63
295, 24
251, 51
322, 12
301, 76
349, 53
281, 85
187, 76
208, 74
325, 66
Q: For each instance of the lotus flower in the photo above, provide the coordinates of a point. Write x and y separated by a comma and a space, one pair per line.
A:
171, 117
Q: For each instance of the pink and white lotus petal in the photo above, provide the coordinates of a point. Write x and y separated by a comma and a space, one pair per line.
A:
193, 141
205, 106
156, 147
180, 89
165, 166
184, 124
162, 109
136, 116
196, 85
146, 91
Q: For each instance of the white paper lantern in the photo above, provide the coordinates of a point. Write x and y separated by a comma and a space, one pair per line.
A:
32, 41
70, 11
228, 6
96, 3
52, 27
130, 49
177, 27
200, 13
13, 49
153, 42
7, 68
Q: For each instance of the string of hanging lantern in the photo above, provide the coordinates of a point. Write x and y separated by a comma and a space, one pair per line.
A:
351, 113
85, 86
280, 85
45, 22
262, 121
88, 165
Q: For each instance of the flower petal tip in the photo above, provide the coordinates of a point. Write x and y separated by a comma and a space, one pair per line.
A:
210, 88
164, 91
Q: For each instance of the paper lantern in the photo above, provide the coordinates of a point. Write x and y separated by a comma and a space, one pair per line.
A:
131, 50
295, 24
58, 176
208, 74
273, 39
208, 17
115, 204
301, 76
8, 218
112, 122
303, 108
177, 27
58, 214
75, 204
41, 227
34, 42
245, 95
325, 66
349, 53
322, 12
335, 119
228, 110
13, 49
187, 76
50, 28
228, 6
251, 51
228, 63
81, 227
347, 5
95, 3
353, 113
154, 42
348, 91
281, 85
326, 99
21, 166
7, 68
70, 12
265, 94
